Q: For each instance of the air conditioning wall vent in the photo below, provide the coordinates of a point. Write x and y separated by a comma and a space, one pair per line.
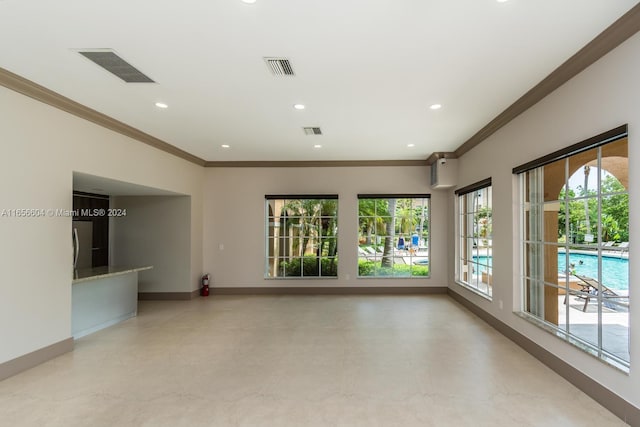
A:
114, 64
279, 66
312, 131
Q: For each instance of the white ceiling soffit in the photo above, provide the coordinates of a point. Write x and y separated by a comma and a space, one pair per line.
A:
87, 183
367, 70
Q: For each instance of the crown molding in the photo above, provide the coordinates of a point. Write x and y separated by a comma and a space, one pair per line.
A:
316, 164
434, 157
626, 26
40, 93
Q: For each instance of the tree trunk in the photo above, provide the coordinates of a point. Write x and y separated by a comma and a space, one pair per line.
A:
387, 255
586, 200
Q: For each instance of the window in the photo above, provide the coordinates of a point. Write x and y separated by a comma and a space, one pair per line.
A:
475, 258
575, 240
302, 234
393, 238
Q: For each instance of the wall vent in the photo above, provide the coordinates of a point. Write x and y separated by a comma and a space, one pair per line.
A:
279, 66
111, 62
312, 131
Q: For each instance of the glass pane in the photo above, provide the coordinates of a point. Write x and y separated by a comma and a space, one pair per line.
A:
533, 297
552, 305
366, 266
615, 163
581, 179
291, 267
615, 325
614, 222
329, 246
311, 266
551, 267
329, 267
420, 268
381, 225
272, 267
582, 306
554, 179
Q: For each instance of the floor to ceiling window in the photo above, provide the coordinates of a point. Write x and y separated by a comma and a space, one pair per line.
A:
575, 244
302, 236
474, 230
393, 238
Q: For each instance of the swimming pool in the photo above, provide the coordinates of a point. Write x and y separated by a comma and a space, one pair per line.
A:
615, 270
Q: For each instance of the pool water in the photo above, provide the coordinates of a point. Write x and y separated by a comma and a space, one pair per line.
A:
615, 270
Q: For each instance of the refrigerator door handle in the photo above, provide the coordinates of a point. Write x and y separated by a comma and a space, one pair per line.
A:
76, 247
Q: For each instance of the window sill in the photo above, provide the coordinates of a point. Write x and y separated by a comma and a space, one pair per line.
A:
584, 346
474, 290
394, 277
303, 278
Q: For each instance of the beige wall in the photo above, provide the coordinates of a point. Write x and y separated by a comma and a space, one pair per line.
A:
41, 148
604, 96
155, 232
235, 218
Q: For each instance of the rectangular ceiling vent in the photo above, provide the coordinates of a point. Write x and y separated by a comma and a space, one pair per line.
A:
279, 66
312, 131
111, 62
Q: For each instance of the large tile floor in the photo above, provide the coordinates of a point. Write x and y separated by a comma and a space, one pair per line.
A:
297, 361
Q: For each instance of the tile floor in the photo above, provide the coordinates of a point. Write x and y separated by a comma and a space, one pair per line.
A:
297, 361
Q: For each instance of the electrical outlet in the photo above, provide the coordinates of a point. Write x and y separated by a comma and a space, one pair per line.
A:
221, 246
500, 304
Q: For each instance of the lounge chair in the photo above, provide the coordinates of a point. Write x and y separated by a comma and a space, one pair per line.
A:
371, 251
589, 289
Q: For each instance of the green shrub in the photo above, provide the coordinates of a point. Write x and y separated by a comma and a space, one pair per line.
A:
372, 268
329, 267
366, 268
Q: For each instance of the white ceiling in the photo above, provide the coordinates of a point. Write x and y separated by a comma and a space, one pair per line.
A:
367, 70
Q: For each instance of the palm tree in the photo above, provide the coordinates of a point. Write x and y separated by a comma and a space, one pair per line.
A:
387, 258
406, 215
586, 200
371, 213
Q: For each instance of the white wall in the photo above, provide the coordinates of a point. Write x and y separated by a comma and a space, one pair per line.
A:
235, 218
604, 96
155, 232
41, 146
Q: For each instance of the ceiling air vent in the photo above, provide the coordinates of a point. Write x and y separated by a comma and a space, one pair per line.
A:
279, 66
111, 62
312, 131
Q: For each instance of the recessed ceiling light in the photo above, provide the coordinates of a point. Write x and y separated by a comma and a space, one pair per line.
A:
502, 1
436, 107
161, 105
317, 146
249, 1
299, 106
225, 146
411, 145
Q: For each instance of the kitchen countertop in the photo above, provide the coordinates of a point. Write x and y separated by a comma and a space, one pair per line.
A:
88, 274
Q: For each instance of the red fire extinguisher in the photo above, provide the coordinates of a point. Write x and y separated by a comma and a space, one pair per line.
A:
204, 291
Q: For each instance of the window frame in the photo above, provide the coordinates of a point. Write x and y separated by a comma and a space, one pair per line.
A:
462, 241
279, 249
414, 270
534, 245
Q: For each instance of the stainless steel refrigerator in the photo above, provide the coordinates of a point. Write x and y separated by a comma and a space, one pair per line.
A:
82, 244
